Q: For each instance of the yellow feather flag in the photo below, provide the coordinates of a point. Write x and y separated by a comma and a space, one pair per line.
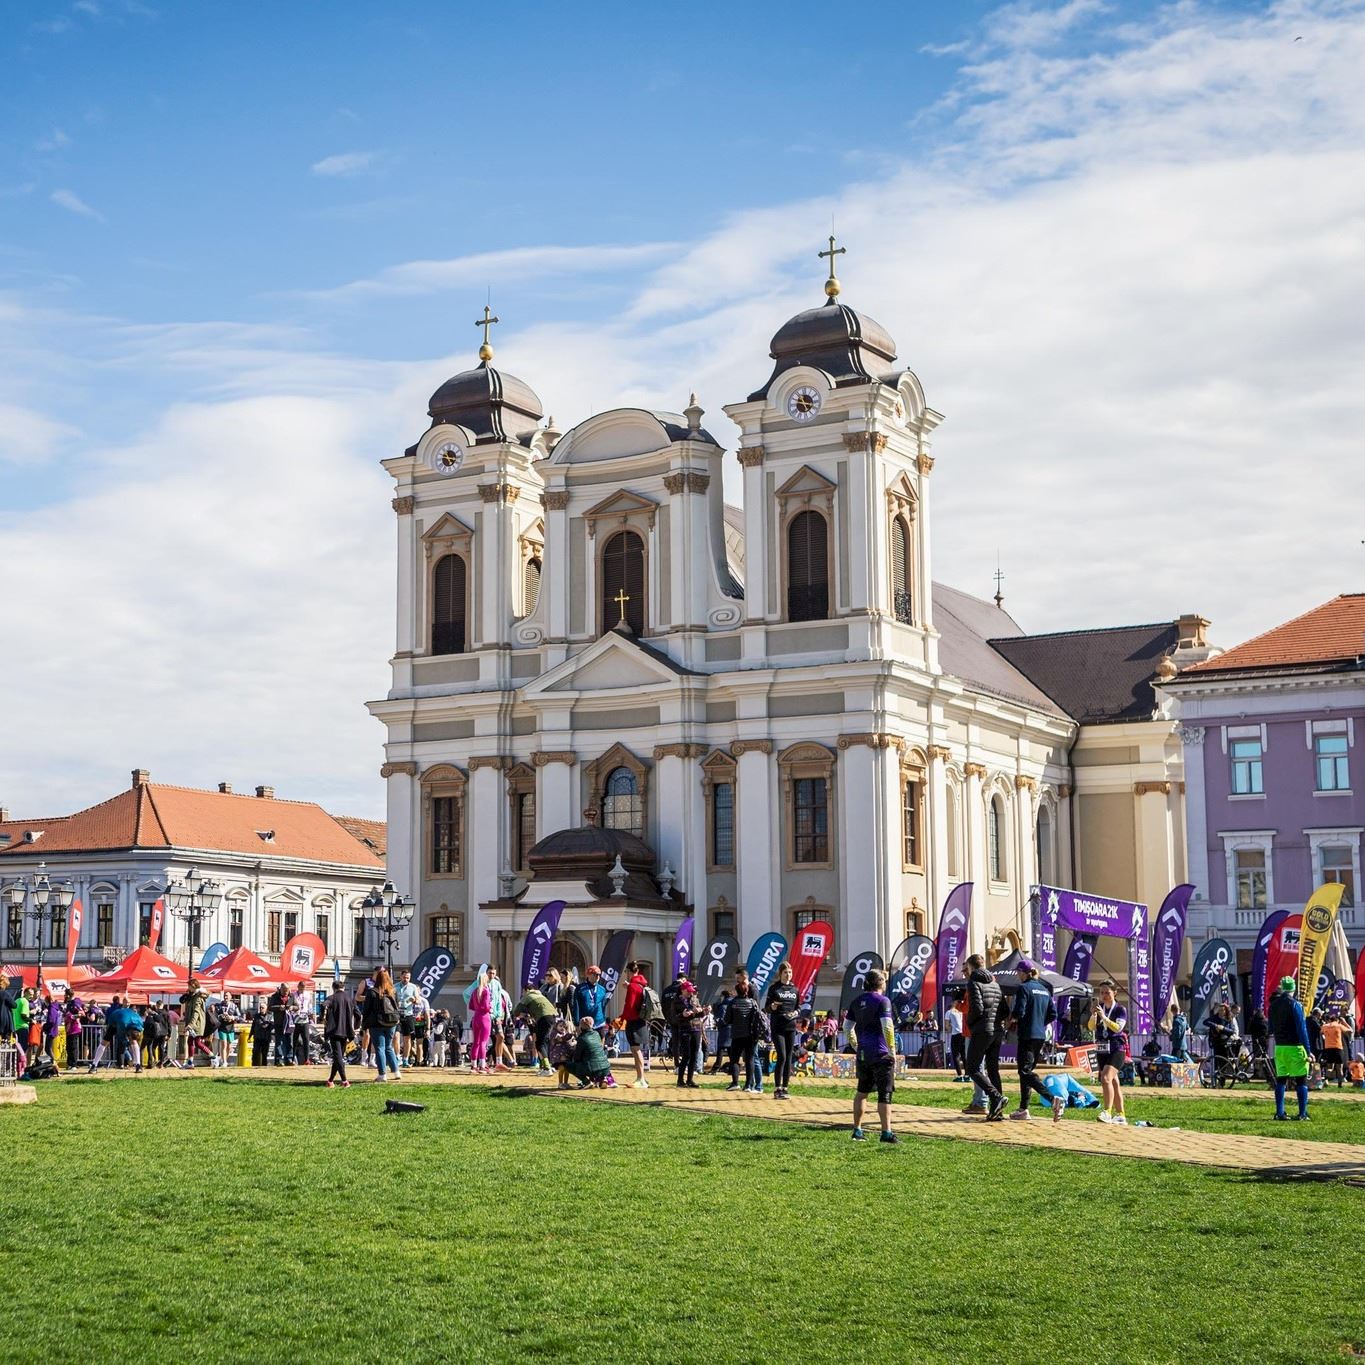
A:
1319, 915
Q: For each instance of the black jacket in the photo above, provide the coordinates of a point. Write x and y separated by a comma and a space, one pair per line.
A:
338, 1017
784, 1004
985, 1004
743, 1019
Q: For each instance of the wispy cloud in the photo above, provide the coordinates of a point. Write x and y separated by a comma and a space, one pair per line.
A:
345, 163
55, 141
490, 267
27, 436
73, 203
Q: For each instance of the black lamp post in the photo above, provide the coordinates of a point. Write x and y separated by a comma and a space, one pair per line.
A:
193, 899
390, 913
50, 902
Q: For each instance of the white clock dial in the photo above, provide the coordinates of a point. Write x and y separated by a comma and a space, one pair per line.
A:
803, 404
447, 457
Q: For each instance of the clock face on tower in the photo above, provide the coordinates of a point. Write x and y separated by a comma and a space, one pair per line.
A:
447, 457
803, 404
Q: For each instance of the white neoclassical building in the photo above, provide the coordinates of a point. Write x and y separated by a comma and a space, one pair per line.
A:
771, 707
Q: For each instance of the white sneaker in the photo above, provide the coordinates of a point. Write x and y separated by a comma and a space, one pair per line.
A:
1058, 1108
640, 1085
1021, 1114
1121, 1119
1105, 1116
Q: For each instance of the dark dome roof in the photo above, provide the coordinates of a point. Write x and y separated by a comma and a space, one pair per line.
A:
848, 346
495, 406
590, 845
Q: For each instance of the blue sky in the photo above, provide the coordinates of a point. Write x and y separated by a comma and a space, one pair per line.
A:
241, 244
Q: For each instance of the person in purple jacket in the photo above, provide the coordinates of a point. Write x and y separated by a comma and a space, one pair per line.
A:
72, 1009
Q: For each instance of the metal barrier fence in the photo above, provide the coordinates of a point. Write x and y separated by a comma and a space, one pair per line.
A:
9, 1064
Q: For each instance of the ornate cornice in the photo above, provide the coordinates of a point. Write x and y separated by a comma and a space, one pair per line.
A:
751, 746
939, 752
498, 761
925, 464
679, 751
543, 756
974, 769
1022, 783
398, 770
499, 492
556, 499
404, 506
874, 442
1190, 734
874, 739
749, 456
1151, 788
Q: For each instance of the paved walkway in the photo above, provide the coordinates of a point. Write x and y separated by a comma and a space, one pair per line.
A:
1284, 1158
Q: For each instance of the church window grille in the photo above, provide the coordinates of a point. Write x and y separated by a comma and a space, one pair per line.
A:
810, 834
807, 567
104, 925
910, 823
995, 832
448, 606
623, 571
445, 836
723, 824
902, 604
531, 584
524, 825
622, 806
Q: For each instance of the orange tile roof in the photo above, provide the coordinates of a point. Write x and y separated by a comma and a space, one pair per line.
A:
155, 815
1333, 633
374, 834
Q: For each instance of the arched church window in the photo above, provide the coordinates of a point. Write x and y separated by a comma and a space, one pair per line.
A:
622, 806
530, 585
448, 606
995, 838
623, 582
807, 567
901, 603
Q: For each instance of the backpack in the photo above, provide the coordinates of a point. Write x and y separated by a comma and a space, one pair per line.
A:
650, 1005
212, 1020
386, 1011
763, 1026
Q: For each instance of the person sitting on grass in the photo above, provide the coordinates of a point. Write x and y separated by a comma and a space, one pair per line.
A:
1290, 1029
875, 1039
589, 1060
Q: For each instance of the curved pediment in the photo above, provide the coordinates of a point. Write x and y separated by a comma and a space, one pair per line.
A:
622, 434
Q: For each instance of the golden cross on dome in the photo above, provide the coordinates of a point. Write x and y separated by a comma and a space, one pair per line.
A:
621, 599
832, 284
486, 351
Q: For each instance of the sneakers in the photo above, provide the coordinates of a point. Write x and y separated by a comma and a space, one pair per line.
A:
1280, 1118
1058, 1108
1105, 1116
859, 1135
890, 1137
93, 1068
997, 1109
734, 1085
331, 1085
1299, 1118
345, 1085
639, 1085
975, 1109
1021, 1114
1121, 1120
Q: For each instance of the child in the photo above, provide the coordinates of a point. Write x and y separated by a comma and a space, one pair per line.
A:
559, 1048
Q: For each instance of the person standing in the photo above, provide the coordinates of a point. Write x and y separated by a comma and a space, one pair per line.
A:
1333, 1050
985, 1017
407, 995
381, 1018
1109, 1023
784, 1009
9, 1021
743, 1036
957, 1039
721, 1017
72, 1009
279, 1019
338, 1028
440, 1026
304, 998
1314, 1022
1290, 1031
260, 1037
504, 1029
555, 991
589, 1000
874, 1038
671, 1000
1180, 1032
156, 1028
1033, 1011
194, 1014
536, 1006
480, 1023
637, 1027
691, 1015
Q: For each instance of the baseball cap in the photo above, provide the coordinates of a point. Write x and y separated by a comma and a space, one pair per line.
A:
1026, 964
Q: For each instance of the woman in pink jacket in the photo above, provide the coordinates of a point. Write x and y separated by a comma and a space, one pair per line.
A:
480, 1023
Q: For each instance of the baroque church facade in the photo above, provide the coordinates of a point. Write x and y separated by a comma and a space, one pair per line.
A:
770, 713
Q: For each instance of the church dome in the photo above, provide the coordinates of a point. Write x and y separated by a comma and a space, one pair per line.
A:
849, 346
493, 405
590, 848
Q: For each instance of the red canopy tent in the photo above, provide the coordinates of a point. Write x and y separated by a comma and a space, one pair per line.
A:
142, 973
241, 972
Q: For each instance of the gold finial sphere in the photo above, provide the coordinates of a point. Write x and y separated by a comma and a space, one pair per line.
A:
485, 352
832, 288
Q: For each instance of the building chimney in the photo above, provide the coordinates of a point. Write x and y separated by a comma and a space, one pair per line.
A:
4, 813
225, 788
267, 793
140, 778
1191, 628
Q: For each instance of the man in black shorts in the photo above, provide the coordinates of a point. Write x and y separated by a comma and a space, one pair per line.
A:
875, 1035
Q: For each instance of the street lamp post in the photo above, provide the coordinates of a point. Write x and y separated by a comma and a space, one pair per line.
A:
390, 913
50, 901
193, 899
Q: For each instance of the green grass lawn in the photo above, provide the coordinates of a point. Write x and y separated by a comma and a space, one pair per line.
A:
231, 1219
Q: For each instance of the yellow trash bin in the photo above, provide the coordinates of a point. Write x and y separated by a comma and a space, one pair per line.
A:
243, 1044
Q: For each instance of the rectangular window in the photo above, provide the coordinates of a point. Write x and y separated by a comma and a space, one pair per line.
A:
910, 823
291, 924
236, 914
446, 932
1333, 763
57, 933
144, 923
914, 922
273, 942
723, 824
324, 930
195, 930
524, 826
801, 918
1337, 866
722, 923
445, 836
104, 925
14, 929
810, 837
1246, 767
1251, 879
358, 944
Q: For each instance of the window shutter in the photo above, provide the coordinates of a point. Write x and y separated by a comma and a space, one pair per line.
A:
900, 572
807, 568
447, 616
531, 585
623, 568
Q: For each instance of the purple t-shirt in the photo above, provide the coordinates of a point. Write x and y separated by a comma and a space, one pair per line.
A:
867, 1013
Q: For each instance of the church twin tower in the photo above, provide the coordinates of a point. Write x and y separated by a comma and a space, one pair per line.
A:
598, 657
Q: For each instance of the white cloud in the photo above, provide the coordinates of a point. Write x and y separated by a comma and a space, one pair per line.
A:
27, 436
345, 163
73, 203
55, 141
